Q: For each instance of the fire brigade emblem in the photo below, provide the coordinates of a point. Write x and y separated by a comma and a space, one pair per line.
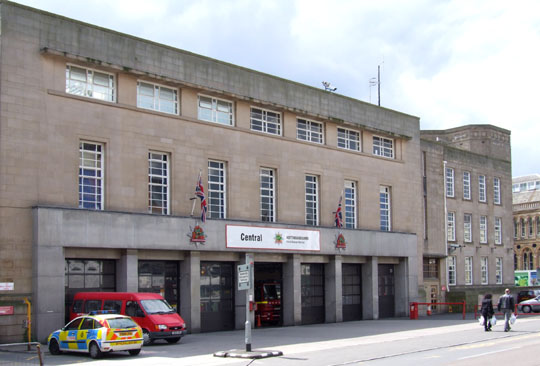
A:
197, 235
278, 238
340, 242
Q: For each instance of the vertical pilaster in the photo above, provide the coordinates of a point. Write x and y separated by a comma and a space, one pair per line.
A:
127, 271
370, 289
190, 291
292, 292
333, 290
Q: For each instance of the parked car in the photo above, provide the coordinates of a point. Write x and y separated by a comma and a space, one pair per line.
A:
96, 334
527, 294
530, 305
150, 311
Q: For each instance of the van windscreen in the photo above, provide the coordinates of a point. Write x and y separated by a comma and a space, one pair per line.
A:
157, 306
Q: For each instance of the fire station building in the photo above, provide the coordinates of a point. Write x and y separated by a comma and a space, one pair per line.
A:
103, 137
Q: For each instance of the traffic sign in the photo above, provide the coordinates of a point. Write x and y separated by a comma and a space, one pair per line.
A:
244, 277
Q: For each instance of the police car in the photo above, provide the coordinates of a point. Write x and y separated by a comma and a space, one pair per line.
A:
96, 333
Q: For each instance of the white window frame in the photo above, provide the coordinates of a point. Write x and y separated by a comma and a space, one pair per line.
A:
451, 268
484, 270
216, 110
449, 182
158, 182
91, 169
217, 189
451, 226
496, 191
268, 194
467, 228
349, 190
385, 208
308, 130
482, 188
266, 125
312, 199
383, 146
349, 139
483, 230
498, 270
466, 185
497, 228
468, 270
156, 101
89, 87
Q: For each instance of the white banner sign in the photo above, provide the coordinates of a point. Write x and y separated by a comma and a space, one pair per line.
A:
255, 237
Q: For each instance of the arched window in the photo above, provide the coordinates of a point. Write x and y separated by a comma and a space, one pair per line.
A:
515, 262
531, 264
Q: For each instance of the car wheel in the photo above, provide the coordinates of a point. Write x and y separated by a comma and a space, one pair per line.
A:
526, 309
146, 338
172, 340
54, 348
134, 352
95, 352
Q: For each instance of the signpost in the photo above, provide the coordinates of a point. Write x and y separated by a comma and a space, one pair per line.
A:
245, 282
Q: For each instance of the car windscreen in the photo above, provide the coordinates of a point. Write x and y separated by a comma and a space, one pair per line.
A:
157, 306
117, 323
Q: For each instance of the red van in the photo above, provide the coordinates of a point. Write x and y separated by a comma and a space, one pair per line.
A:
154, 315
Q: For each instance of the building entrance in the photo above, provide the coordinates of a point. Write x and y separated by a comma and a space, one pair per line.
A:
217, 296
386, 291
352, 291
160, 277
312, 293
268, 282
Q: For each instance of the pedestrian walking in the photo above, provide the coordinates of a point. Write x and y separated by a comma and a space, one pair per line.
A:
487, 311
506, 305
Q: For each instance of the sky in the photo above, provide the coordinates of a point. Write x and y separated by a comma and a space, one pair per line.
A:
450, 63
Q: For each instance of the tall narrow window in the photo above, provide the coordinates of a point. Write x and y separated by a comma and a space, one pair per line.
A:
350, 204
498, 270
467, 228
265, 121
215, 110
157, 97
496, 191
312, 200
522, 225
449, 182
90, 83
498, 230
531, 266
383, 147
483, 229
451, 226
348, 139
91, 175
466, 185
484, 275
530, 225
515, 229
482, 188
468, 270
451, 263
217, 188
537, 226
385, 208
307, 130
158, 183
268, 194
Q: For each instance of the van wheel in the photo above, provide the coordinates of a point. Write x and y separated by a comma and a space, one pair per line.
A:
95, 352
54, 348
146, 338
134, 352
172, 340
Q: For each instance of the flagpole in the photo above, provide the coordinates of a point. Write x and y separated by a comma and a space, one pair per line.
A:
194, 199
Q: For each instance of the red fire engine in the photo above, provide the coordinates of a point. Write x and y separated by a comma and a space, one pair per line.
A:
268, 299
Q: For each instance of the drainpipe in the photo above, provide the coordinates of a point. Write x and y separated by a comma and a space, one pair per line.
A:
445, 228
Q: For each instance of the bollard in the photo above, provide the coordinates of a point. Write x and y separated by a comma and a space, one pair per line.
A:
413, 311
429, 310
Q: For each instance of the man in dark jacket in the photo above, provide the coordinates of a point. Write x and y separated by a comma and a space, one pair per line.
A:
506, 305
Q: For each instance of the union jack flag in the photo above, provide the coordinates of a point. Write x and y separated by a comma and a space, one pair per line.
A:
339, 217
199, 192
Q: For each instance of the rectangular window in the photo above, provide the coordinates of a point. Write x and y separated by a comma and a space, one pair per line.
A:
217, 188
484, 270
385, 208
348, 139
268, 194
496, 191
158, 183
482, 188
91, 175
530, 225
498, 230
383, 147
90, 83
312, 200
467, 228
350, 204
468, 270
157, 97
537, 226
451, 226
466, 185
483, 229
307, 130
498, 271
266, 121
451, 270
431, 268
215, 110
523, 229
515, 229
449, 182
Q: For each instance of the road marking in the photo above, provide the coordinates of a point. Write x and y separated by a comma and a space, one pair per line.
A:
489, 353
